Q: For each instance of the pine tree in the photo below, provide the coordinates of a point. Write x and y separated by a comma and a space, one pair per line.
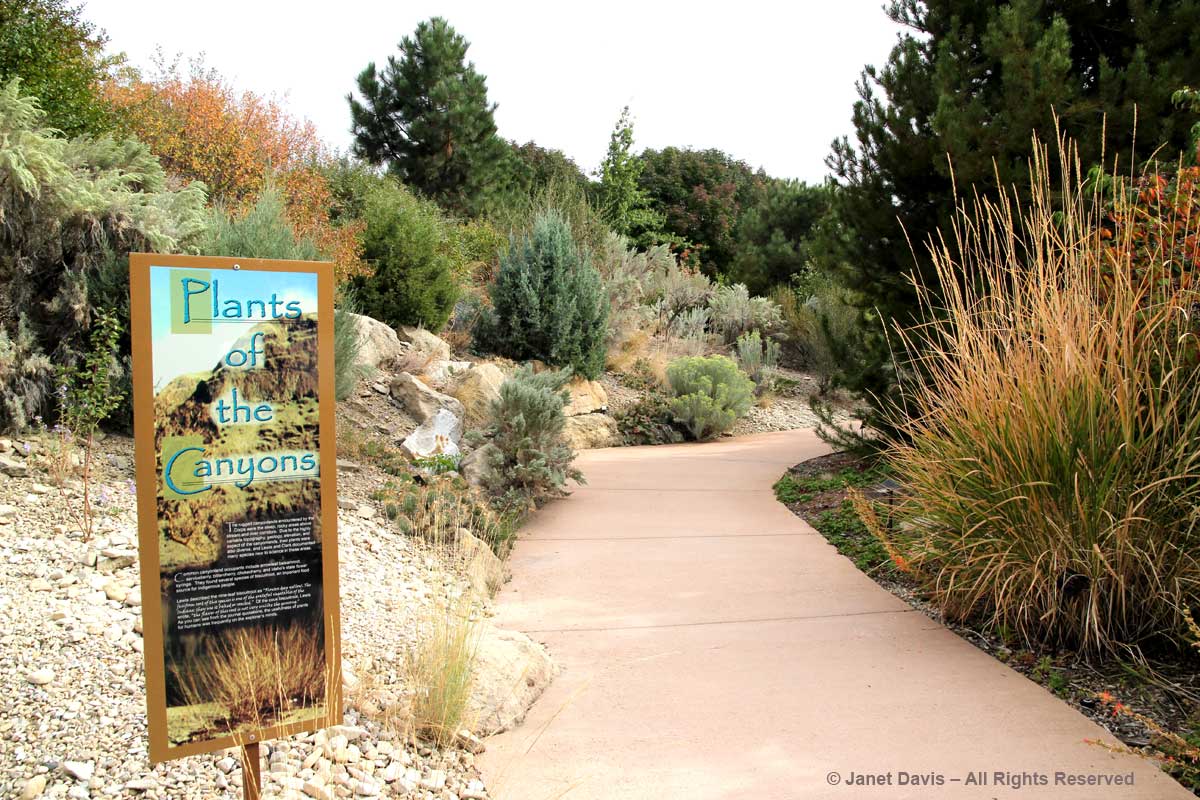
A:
957, 104
426, 116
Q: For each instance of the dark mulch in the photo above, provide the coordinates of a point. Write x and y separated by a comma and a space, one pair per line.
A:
1165, 687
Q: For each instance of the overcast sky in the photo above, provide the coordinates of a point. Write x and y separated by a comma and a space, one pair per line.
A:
768, 82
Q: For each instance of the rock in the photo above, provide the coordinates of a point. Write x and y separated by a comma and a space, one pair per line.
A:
365, 788
589, 431
79, 770
434, 781
365, 511
469, 742
316, 790
420, 401
476, 468
424, 347
352, 732
442, 371
484, 569
40, 677
13, 467
441, 433
115, 591
587, 397
477, 389
348, 466
142, 785
378, 344
34, 787
511, 672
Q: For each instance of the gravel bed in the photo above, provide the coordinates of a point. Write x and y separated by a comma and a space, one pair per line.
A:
74, 720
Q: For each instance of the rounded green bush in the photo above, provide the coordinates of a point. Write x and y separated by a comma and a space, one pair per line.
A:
710, 394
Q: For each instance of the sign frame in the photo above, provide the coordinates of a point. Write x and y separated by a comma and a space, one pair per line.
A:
147, 477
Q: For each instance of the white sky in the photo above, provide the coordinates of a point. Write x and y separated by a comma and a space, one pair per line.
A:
769, 82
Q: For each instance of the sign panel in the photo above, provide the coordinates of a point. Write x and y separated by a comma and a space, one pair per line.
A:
237, 511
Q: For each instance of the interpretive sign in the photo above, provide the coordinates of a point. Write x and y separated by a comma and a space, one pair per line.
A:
234, 438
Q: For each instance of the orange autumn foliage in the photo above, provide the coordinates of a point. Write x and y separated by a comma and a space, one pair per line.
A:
201, 128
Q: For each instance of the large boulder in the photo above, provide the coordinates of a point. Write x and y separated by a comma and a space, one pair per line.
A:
424, 347
511, 671
420, 401
477, 467
485, 571
589, 431
477, 389
440, 372
587, 397
378, 344
438, 435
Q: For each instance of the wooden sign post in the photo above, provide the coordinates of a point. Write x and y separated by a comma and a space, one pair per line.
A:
237, 512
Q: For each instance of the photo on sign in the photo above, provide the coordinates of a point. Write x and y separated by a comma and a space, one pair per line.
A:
236, 412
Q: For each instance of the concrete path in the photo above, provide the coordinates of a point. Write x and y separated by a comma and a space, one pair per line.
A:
714, 646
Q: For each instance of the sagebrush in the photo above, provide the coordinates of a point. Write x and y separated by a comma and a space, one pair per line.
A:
709, 394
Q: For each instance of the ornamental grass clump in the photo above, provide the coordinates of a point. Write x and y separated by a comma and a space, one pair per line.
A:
710, 394
1052, 456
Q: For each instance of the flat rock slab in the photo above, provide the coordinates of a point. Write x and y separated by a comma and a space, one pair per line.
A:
713, 645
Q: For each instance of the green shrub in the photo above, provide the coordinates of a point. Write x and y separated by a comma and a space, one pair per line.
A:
72, 210
532, 460
261, 232
1049, 463
347, 369
757, 357
710, 394
547, 302
415, 255
734, 312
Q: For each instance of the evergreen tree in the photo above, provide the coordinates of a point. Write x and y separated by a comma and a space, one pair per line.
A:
548, 302
426, 116
956, 105
773, 237
622, 200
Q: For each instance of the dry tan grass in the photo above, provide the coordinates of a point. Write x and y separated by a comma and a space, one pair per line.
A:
440, 671
628, 350
1051, 458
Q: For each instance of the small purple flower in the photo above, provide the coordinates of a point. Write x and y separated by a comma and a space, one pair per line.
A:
131, 486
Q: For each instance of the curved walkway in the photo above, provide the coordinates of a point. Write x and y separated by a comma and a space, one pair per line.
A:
714, 646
